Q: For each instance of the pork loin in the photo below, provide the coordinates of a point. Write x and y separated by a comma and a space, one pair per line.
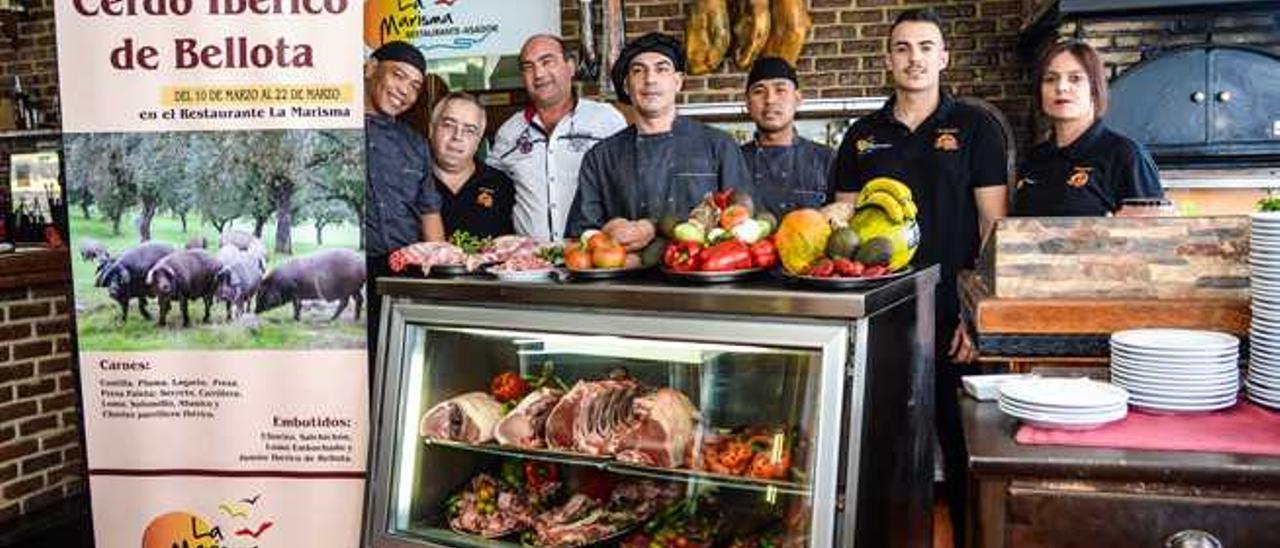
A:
584, 419
468, 418
659, 431
526, 425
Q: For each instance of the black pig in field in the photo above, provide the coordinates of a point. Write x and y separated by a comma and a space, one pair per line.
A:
93, 250
238, 279
182, 276
126, 277
329, 275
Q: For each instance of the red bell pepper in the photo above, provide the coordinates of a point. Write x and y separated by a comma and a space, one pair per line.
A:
764, 254
682, 256
722, 199
538, 474
724, 256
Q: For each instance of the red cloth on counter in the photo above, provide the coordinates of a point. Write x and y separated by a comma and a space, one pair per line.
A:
1245, 428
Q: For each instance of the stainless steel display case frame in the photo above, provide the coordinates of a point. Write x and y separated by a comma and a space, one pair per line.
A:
851, 330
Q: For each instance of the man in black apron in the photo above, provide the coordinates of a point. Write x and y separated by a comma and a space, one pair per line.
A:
788, 171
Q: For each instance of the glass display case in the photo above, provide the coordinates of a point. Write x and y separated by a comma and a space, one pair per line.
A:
636, 414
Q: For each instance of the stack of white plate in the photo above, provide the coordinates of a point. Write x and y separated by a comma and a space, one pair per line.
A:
1263, 382
1176, 370
1069, 404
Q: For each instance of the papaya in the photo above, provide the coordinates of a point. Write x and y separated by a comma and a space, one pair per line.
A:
801, 239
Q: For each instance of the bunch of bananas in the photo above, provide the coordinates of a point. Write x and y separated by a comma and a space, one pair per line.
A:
885, 220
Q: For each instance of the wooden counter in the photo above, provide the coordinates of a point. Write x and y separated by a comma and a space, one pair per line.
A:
30, 266
1030, 496
1078, 329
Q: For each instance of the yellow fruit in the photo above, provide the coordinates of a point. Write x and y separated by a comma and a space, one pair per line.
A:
886, 202
801, 239
895, 187
903, 237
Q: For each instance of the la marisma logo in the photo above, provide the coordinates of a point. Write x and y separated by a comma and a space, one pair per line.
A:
184, 529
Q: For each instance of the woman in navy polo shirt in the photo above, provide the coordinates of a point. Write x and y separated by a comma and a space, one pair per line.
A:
1084, 168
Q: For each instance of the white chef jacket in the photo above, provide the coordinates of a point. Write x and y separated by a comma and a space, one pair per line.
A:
545, 168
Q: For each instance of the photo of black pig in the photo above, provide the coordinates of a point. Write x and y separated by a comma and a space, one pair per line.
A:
126, 277
245, 242
238, 279
182, 276
329, 275
93, 250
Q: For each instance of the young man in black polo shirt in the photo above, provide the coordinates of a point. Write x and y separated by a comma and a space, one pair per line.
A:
475, 197
952, 156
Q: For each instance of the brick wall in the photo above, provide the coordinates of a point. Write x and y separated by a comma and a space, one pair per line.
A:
844, 54
33, 57
41, 461
1123, 42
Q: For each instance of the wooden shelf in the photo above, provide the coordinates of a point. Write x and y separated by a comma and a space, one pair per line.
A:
32, 266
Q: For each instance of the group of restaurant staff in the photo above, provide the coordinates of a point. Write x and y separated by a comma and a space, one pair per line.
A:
566, 164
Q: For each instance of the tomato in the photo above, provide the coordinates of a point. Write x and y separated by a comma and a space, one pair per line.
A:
823, 268
844, 267
876, 270
508, 386
577, 258
600, 239
609, 255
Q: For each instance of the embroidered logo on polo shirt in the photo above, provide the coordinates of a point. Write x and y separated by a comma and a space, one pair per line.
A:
947, 140
869, 144
1079, 177
485, 198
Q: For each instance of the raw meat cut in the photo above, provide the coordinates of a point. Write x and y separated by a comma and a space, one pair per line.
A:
526, 425
489, 509
617, 417
468, 418
659, 432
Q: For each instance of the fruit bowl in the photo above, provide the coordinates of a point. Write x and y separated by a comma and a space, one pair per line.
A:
591, 274
698, 277
835, 283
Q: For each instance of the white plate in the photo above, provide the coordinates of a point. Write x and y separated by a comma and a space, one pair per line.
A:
1269, 403
522, 275
1090, 411
1062, 419
1184, 405
1192, 382
1193, 340
1139, 390
1174, 353
1062, 392
1177, 365
1139, 397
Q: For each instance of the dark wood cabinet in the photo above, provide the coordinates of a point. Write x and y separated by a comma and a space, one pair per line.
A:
1067, 497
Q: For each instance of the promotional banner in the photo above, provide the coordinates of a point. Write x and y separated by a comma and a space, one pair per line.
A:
459, 28
214, 154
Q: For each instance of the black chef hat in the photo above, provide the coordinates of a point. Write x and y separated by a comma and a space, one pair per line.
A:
403, 52
655, 42
768, 68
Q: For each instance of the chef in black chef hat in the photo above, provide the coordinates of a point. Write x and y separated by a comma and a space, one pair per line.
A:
663, 164
654, 42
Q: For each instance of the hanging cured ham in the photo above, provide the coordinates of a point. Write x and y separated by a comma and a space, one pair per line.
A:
790, 27
750, 31
707, 35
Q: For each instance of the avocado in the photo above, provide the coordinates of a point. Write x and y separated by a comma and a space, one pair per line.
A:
652, 253
843, 243
876, 251
667, 226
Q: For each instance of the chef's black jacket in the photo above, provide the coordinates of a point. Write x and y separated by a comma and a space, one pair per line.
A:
637, 176
1091, 177
482, 206
788, 177
398, 189
954, 151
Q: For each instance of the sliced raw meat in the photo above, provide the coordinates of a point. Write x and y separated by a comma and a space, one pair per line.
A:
468, 418
526, 425
489, 509
426, 255
658, 432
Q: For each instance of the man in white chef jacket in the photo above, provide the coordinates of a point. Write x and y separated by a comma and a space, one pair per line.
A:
541, 148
